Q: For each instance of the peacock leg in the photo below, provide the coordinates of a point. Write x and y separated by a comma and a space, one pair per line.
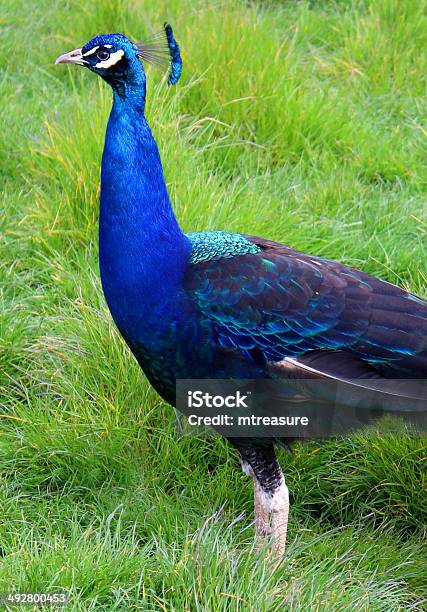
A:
271, 496
279, 504
262, 517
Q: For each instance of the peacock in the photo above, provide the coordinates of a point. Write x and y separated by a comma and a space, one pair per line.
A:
223, 305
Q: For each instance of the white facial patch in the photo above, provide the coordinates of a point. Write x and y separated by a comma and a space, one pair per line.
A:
112, 60
91, 51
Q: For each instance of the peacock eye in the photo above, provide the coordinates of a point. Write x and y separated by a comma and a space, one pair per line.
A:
102, 55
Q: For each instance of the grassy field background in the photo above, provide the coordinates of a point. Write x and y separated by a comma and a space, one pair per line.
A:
298, 121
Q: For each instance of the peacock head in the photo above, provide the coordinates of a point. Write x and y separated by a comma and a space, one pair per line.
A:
116, 59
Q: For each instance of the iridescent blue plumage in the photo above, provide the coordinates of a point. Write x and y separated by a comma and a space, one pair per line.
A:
202, 305
211, 246
223, 305
286, 303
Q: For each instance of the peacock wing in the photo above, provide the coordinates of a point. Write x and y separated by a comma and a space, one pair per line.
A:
275, 302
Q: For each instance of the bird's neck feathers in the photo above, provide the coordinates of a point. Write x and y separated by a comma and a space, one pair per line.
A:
129, 89
141, 244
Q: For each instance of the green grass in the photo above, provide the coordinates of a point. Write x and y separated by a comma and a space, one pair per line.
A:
298, 121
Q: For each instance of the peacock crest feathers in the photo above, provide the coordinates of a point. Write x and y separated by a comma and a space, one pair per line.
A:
163, 49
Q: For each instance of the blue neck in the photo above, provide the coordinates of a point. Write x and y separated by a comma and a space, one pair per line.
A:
143, 252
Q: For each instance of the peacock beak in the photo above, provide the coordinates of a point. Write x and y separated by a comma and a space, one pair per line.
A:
72, 57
